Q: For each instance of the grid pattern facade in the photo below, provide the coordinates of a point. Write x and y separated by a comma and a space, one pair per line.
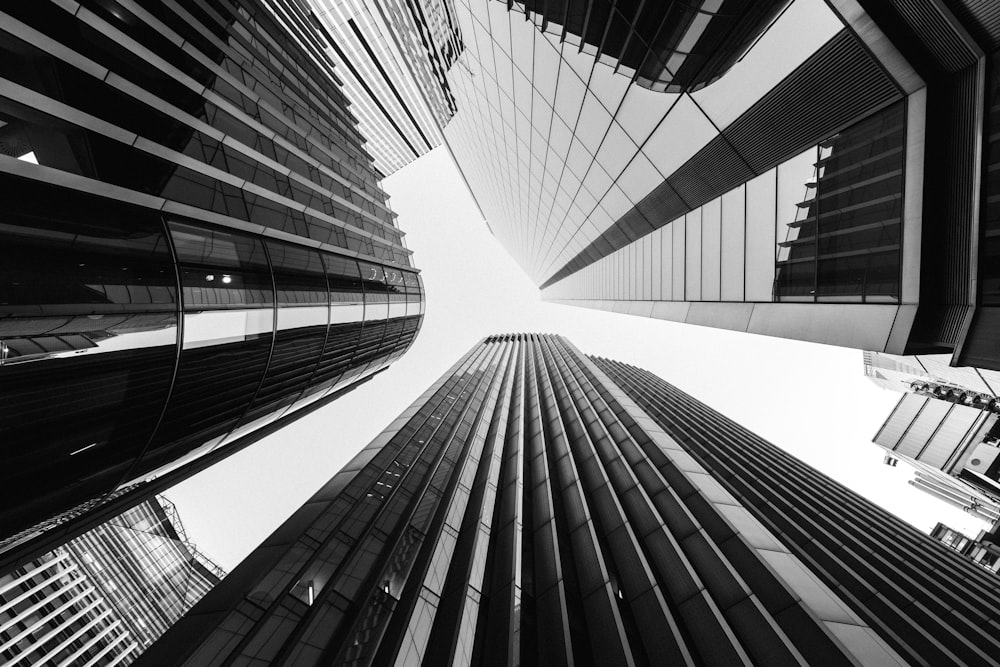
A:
194, 242
392, 57
536, 506
105, 596
771, 201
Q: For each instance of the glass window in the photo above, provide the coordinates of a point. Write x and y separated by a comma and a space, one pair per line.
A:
733, 231
845, 226
88, 338
678, 244
711, 250
796, 227
228, 329
692, 256
760, 217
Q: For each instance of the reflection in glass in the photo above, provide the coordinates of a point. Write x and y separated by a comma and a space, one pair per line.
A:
88, 336
843, 240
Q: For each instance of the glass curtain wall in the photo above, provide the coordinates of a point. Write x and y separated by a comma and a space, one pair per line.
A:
120, 359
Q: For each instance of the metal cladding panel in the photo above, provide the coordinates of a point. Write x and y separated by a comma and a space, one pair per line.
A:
847, 542
839, 85
981, 18
717, 169
899, 420
924, 426
982, 344
527, 509
947, 287
928, 21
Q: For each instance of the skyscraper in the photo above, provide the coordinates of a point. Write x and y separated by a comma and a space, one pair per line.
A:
105, 596
798, 195
193, 245
392, 56
952, 446
538, 506
944, 426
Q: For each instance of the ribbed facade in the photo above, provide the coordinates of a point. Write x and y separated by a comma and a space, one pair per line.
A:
193, 243
105, 596
888, 573
393, 56
537, 506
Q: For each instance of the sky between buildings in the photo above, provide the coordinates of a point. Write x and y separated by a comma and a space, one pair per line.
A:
812, 400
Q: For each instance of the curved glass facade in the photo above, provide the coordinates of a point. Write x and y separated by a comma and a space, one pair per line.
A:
193, 244
131, 342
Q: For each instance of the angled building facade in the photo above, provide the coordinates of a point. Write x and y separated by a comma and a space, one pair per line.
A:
105, 596
788, 198
194, 245
538, 506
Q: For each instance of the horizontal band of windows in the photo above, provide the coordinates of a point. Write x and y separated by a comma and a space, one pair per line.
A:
317, 233
62, 53
213, 385
126, 42
58, 112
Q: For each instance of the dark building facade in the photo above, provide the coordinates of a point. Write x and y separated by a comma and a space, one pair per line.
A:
538, 506
665, 46
193, 244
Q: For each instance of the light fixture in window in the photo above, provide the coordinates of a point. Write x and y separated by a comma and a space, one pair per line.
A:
310, 593
210, 277
227, 278
83, 449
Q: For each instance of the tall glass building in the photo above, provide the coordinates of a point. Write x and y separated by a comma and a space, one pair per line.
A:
103, 597
194, 245
759, 167
536, 506
392, 56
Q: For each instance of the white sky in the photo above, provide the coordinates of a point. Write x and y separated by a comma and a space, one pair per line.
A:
812, 400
